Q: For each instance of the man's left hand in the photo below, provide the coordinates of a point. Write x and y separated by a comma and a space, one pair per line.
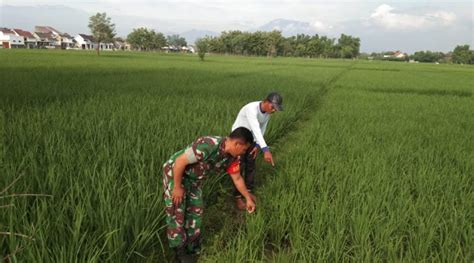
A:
254, 152
268, 157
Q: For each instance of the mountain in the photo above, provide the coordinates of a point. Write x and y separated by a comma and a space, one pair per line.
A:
194, 34
289, 27
64, 19
73, 20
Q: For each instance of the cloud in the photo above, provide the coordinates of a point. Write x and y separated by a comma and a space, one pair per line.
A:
321, 27
388, 18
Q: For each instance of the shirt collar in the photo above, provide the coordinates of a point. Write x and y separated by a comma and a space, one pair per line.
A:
260, 108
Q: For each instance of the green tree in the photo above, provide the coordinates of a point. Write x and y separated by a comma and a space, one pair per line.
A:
462, 55
146, 40
140, 38
202, 45
272, 42
101, 28
176, 41
348, 46
158, 40
427, 56
287, 47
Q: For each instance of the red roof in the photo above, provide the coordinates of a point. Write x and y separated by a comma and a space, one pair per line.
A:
23, 33
46, 29
5, 30
45, 36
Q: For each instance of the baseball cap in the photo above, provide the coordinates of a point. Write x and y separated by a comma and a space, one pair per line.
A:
276, 100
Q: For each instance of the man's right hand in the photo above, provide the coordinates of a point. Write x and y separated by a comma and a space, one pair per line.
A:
250, 205
178, 194
268, 158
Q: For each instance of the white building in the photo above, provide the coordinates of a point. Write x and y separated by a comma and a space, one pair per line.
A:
45, 40
61, 40
29, 39
8, 39
67, 41
87, 42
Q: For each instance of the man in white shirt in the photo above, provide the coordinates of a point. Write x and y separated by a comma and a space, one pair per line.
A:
255, 116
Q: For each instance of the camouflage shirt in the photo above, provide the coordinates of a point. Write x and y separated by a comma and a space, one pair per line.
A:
206, 154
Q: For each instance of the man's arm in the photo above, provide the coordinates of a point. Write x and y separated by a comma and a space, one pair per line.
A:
240, 185
258, 133
255, 127
178, 172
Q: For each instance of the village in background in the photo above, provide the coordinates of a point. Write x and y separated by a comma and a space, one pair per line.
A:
230, 42
47, 37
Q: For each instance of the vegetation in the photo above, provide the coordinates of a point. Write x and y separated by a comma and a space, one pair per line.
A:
373, 160
176, 41
202, 46
145, 40
274, 44
463, 55
428, 56
101, 28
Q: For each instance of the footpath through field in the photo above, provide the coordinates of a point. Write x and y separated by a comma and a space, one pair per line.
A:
236, 229
377, 168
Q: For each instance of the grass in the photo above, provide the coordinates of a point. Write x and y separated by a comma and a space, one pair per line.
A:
374, 160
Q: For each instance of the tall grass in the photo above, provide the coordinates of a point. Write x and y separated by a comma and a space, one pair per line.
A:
94, 134
371, 176
361, 173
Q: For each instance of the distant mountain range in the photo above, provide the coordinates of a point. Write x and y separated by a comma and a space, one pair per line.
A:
75, 21
286, 26
194, 34
289, 27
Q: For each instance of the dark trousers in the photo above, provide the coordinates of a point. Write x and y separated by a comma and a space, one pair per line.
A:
247, 170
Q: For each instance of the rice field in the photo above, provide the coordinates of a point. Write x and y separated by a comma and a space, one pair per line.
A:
374, 160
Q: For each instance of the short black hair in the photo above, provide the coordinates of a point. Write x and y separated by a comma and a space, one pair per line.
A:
242, 133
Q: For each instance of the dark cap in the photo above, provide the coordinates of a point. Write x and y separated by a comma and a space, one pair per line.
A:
276, 100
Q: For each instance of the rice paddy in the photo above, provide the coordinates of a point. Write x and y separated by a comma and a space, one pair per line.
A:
374, 160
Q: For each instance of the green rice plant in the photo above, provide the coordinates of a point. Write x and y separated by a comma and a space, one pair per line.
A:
373, 159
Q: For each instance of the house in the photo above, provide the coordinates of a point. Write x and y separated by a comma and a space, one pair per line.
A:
84, 41
45, 40
67, 41
62, 40
107, 46
8, 39
399, 55
29, 39
191, 49
122, 45
171, 49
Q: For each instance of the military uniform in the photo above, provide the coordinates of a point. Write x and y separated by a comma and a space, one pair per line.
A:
205, 155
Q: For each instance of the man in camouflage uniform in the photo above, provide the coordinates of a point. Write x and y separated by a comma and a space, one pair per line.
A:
184, 173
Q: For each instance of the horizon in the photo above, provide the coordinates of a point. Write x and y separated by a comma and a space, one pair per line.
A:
407, 27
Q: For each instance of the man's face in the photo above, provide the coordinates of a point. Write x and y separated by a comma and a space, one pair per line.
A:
238, 147
268, 107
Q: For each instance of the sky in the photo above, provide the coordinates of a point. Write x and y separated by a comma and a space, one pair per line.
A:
381, 25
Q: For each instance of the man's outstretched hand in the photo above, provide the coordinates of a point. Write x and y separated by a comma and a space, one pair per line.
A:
268, 158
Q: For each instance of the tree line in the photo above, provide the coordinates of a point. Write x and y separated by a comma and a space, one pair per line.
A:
144, 39
462, 54
262, 43
273, 43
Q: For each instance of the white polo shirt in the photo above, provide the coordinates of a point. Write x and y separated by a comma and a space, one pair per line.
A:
252, 118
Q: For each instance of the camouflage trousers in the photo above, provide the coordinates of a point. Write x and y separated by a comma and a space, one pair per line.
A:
185, 220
